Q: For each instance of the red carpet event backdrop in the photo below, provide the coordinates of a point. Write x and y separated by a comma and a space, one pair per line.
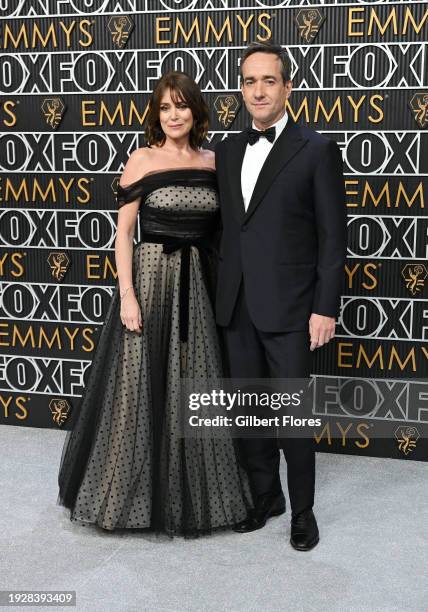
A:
75, 79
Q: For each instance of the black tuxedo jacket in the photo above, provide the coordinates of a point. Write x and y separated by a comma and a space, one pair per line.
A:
289, 247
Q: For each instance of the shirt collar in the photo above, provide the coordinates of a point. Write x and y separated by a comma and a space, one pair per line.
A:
279, 125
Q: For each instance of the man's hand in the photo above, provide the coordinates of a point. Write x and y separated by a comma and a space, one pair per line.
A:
321, 329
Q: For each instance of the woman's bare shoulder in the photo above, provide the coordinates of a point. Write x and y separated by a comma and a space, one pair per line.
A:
137, 165
208, 157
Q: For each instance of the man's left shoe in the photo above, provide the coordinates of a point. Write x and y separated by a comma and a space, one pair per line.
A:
304, 531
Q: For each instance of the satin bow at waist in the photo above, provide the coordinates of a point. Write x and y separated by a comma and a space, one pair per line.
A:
172, 244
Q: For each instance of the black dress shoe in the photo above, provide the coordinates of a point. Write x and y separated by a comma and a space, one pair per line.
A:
266, 506
304, 531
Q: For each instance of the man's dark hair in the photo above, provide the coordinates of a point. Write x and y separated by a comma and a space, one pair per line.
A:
269, 47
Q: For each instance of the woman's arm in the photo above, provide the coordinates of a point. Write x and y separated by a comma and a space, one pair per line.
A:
126, 221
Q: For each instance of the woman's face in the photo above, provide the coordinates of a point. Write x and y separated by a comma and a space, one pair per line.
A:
176, 118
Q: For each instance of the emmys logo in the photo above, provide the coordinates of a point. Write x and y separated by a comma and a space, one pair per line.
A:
120, 29
309, 23
414, 275
407, 438
226, 108
53, 110
60, 410
419, 106
114, 185
59, 264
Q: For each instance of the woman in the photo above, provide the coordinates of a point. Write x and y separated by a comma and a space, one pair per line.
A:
124, 464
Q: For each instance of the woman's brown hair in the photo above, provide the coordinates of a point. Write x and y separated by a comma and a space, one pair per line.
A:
183, 88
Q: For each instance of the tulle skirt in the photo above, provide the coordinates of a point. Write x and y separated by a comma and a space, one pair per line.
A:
125, 463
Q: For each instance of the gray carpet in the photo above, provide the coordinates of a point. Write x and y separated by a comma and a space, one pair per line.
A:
372, 556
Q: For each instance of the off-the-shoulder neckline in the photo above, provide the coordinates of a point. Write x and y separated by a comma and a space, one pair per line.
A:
181, 168
169, 170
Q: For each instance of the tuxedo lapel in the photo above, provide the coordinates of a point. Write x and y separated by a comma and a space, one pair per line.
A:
235, 158
287, 145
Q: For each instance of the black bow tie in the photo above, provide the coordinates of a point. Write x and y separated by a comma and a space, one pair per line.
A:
253, 135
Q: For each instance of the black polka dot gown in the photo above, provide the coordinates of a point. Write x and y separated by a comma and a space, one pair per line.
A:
124, 463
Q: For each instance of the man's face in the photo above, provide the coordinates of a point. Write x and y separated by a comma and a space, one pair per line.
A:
263, 89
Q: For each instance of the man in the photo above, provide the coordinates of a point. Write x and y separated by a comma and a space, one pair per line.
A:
281, 263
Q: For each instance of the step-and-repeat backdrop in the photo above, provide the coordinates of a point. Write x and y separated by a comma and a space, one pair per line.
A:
75, 77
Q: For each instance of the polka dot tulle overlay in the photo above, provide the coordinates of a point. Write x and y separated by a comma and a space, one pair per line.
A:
124, 463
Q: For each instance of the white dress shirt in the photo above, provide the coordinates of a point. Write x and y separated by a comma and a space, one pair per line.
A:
254, 158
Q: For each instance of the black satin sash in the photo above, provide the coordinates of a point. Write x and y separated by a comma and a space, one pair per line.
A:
181, 230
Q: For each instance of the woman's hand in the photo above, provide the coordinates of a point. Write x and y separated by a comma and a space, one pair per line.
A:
130, 312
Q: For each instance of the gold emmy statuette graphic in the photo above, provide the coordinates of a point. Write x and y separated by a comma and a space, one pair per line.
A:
309, 22
114, 186
53, 110
415, 275
60, 409
59, 264
120, 29
419, 106
407, 436
227, 108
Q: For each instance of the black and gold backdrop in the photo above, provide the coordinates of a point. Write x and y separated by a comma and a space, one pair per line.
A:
75, 79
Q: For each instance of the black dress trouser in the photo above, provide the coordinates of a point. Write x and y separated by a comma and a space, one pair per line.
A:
251, 353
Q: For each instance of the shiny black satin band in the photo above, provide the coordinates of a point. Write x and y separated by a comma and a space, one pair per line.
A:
178, 223
172, 244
